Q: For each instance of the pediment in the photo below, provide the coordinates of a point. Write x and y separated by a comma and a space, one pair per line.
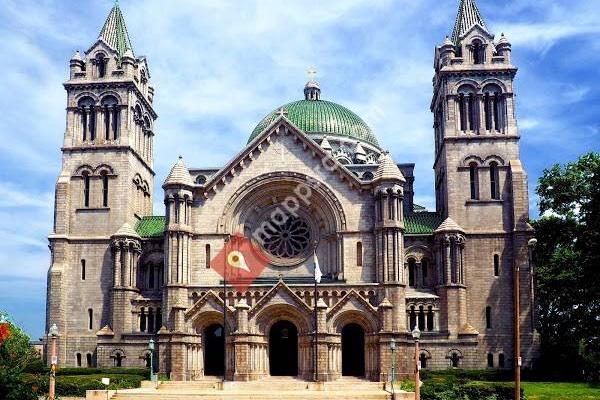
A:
352, 301
477, 31
270, 143
210, 302
100, 44
279, 294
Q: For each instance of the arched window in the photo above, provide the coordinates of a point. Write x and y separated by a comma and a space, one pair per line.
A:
101, 63
78, 356
359, 254
474, 180
412, 318
142, 320
490, 360
430, 318
501, 360
494, 181
110, 109
478, 50
421, 318
88, 118
423, 360
90, 319
177, 209
207, 255
488, 317
455, 360
104, 176
88, 359
468, 108
411, 272
496, 265
158, 322
86, 189
493, 104
118, 360
83, 270
150, 320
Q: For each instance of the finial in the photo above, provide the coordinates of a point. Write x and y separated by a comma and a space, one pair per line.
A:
282, 112
312, 73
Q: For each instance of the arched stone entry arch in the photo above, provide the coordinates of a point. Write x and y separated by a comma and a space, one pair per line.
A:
263, 324
353, 350
283, 349
358, 330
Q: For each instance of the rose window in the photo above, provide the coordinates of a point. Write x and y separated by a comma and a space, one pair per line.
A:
287, 240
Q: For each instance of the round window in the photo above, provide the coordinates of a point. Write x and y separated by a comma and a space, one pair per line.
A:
286, 241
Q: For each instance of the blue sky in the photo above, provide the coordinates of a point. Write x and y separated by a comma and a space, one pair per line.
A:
220, 66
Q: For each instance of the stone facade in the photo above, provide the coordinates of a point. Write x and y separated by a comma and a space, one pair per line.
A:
120, 276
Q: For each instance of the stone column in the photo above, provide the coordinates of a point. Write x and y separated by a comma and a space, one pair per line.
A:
242, 366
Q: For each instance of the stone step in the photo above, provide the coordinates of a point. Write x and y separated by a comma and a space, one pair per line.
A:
253, 395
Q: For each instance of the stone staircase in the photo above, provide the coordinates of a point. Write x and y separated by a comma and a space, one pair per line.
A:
271, 388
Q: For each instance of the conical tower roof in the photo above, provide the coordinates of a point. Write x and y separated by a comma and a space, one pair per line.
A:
179, 175
126, 231
388, 170
449, 226
468, 16
114, 31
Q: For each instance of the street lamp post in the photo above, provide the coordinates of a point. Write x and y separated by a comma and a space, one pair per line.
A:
53, 333
393, 349
151, 348
416, 334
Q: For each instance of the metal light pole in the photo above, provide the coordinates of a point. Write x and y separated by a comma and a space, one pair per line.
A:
416, 334
151, 348
53, 333
393, 350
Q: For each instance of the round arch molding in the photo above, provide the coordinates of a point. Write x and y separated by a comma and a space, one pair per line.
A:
320, 195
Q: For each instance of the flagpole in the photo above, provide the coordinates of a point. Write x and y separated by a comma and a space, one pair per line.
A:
317, 278
316, 329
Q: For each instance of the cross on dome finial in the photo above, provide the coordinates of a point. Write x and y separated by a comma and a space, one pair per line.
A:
312, 91
312, 73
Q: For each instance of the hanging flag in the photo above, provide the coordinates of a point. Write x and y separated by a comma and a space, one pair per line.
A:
318, 273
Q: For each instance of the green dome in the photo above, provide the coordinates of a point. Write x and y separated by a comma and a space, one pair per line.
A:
321, 117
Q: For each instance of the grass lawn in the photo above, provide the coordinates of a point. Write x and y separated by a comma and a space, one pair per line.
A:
561, 391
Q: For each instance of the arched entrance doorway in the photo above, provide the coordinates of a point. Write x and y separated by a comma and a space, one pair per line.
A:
283, 349
213, 350
353, 350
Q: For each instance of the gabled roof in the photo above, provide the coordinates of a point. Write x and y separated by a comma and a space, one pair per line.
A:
151, 226
281, 125
468, 16
114, 32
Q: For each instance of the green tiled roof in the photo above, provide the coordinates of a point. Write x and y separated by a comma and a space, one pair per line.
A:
114, 31
421, 223
321, 117
152, 226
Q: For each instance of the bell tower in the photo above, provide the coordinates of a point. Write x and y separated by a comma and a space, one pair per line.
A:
476, 134
105, 186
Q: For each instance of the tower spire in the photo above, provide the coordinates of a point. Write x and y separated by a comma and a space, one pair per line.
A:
468, 16
114, 31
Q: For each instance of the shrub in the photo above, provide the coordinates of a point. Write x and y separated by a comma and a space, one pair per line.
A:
71, 371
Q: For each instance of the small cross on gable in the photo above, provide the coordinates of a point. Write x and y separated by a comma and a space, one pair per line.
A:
282, 112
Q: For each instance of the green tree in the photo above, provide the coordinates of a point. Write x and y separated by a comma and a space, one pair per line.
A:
568, 262
17, 357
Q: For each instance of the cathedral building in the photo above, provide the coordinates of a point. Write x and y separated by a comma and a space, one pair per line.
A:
311, 185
